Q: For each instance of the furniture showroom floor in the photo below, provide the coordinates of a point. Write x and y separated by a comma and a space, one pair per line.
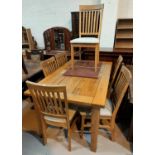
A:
57, 141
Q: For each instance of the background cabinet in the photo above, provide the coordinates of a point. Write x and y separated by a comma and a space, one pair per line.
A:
57, 38
75, 24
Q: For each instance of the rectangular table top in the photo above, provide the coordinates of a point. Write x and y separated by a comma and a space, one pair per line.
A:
80, 90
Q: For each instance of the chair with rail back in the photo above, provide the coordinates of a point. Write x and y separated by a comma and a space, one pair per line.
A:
114, 73
116, 68
52, 107
48, 66
90, 23
61, 59
109, 112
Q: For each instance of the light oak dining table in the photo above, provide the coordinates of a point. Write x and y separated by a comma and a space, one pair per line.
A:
84, 91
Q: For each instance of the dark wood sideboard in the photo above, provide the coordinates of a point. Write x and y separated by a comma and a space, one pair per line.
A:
57, 38
75, 24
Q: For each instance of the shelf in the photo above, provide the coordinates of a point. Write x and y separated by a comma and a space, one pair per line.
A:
122, 50
127, 34
124, 44
125, 24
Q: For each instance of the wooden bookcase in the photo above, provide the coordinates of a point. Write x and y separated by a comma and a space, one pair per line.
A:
124, 35
28, 41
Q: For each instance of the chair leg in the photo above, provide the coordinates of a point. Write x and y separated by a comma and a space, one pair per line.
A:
80, 53
98, 55
69, 139
113, 135
96, 58
82, 126
80, 56
72, 56
44, 128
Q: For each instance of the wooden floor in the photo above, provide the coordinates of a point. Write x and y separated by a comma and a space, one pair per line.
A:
30, 123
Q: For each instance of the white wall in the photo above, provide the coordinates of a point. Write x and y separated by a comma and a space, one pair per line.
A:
40, 15
125, 9
109, 22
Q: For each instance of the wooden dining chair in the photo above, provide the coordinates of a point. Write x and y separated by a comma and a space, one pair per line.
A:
61, 59
90, 23
52, 106
48, 66
109, 112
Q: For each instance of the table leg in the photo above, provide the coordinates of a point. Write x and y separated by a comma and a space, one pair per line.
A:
72, 56
39, 131
24, 66
94, 127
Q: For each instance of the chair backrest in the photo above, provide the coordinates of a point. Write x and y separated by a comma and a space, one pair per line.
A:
61, 59
49, 100
120, 87
48, 66
116, 68
90, 21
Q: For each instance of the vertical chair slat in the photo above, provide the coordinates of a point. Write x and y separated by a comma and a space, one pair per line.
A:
97, 21
89, 13
47, 102
60, 103
91, 29
41, 97
38, 99
51, 102
83, 27
80, 29
55, 103
86, 22
94, 24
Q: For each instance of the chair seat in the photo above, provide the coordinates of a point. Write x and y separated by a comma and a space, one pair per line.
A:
61, 120
85, 40
107, 110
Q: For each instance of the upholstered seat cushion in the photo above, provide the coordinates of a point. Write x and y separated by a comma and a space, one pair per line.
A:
107, 110
60, 120
85, 40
